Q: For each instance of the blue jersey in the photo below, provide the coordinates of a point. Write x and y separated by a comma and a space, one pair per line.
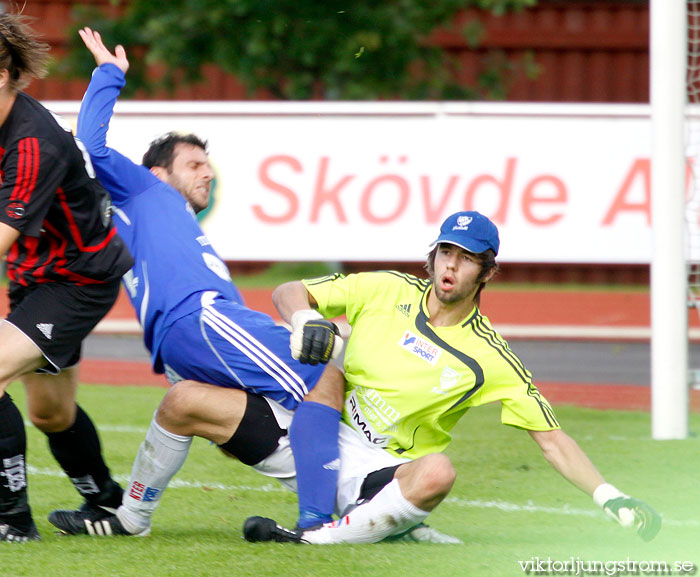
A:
173, 261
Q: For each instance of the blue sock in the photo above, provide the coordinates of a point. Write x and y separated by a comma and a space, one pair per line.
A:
313, 437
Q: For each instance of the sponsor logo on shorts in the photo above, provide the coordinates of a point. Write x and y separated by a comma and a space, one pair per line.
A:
362, 425
46, 329
141, 492
15, 210
420, 347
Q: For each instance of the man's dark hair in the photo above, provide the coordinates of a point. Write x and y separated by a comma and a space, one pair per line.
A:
486, 260
161, 151
21, 54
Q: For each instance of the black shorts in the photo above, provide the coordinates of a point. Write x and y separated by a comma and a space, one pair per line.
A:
57, 317
376, 481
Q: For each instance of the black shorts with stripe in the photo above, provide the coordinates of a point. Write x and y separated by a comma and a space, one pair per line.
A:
57, 317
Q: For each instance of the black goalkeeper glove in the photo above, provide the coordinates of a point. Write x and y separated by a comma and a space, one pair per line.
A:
314, 340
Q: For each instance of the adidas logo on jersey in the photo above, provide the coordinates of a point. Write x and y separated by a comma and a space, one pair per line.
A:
46, 329
405, 310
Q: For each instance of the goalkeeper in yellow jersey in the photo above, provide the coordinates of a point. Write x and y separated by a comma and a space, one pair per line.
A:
419, 356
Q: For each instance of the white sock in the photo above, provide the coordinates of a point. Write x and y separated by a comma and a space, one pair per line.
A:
386, 514
160, 456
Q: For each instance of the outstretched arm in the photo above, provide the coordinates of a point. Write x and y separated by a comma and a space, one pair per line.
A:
120, 176
564, 454
93, 41
568, 459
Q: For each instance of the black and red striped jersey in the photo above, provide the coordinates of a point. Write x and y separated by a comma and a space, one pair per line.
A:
50, 194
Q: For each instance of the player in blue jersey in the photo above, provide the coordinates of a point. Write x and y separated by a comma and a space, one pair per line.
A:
195, 323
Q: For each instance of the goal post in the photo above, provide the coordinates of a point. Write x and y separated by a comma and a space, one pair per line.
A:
669, 308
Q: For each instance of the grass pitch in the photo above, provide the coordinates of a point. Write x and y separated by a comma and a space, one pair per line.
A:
508, 506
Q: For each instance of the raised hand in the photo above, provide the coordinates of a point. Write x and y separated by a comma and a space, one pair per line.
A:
93, 41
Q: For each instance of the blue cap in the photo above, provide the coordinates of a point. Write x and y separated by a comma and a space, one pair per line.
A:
471, 230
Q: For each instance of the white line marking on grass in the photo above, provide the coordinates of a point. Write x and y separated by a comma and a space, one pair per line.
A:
122, 429
530, 507
111, 428
269, 488
175, 483
619, 438
44, 472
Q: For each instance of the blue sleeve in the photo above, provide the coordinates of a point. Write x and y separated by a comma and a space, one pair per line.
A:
118, 174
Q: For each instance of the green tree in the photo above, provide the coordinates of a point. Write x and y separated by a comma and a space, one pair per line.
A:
299, 49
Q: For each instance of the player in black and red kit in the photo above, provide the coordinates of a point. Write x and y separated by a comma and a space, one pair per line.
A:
64, 263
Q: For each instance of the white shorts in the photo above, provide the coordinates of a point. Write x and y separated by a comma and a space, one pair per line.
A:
357, 460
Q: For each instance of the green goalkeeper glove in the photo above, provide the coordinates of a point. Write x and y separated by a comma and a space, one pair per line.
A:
627, 511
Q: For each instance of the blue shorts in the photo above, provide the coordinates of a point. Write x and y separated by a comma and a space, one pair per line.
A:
229, 345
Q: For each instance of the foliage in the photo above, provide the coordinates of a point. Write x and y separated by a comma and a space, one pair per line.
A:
298, 49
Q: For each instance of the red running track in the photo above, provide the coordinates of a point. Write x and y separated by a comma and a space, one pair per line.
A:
596, 396
525, 308
502, 306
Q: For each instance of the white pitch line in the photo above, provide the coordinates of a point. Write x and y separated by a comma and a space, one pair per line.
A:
175, 483
529, 507
111, 428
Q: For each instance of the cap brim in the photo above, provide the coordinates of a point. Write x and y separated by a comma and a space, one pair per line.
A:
473, 245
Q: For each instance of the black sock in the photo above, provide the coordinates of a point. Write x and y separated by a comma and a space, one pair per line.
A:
78, 451
14, 506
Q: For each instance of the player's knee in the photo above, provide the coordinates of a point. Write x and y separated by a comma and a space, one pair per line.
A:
174, 409
51, 420
438, 475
